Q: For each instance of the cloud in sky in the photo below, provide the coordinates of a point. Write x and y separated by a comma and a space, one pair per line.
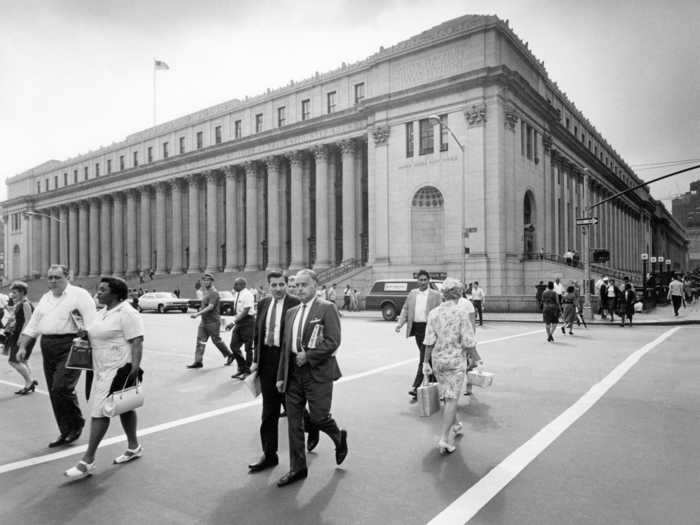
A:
77, 75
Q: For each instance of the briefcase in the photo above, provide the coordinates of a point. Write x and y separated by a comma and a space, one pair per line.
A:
252, 381
80, 355
479, 378
428, 399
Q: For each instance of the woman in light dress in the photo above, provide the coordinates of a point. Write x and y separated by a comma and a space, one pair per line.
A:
449, 337
116, 337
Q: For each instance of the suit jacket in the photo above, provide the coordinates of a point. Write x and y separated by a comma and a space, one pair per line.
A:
321, 359
260, 328
409, 307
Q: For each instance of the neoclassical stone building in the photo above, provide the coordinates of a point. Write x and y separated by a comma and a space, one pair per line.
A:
454, 139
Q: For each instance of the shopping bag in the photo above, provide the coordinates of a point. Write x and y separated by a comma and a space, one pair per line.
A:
428, 399
638, 307
480, 378
252, 381
80, 355
123, 401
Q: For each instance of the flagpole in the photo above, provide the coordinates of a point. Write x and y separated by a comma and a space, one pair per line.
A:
154, 91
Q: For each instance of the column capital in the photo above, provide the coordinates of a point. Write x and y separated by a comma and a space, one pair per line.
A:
118, 196
251, 167
146, 188
175, 184
273, 163
94, 200
84, 204
320, 152
511, 116
380, 134
476, 115
106, 198
229, 171
211, 175
348, 146
192, 178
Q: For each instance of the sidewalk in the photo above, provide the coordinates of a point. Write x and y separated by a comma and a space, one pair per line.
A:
659, 316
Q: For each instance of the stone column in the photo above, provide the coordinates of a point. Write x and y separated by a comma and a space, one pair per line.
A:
73, 238
55, 256
160, 233
332, 172
63, 234
193, 199
118, 234
323, 259
176, 192
106, 236
45, 242
131, 249
349, 149
251, 217
83, 230
296, 211
94, 241
212, 233
274, 224
231, 223
145, 231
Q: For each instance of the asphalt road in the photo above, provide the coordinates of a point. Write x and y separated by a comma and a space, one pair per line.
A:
629, 458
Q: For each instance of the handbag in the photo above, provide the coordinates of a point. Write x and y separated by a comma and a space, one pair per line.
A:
80, 355
479, 378
252, 381
428, 396
124, 400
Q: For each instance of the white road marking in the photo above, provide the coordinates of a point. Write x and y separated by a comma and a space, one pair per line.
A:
37, 390
473, 500
73, 451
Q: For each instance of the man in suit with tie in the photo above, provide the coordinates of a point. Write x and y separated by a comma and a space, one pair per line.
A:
306, 373
269, 333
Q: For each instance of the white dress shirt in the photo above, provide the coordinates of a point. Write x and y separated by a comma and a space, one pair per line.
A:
478, 294
278, 320
242, 300
53, 314
299, 323
419, 315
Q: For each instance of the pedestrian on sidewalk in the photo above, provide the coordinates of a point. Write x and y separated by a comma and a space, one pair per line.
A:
611, 299
550, 310
569, 310
22, 314
538, 295
479, 301
243, 326
675, 294
629, 297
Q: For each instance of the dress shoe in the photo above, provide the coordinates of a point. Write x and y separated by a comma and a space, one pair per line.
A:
413, 393
446, 448
264, 463
28, 389
129, 455
81, 470
195, 365
241, 375
60, 440
283, 414
291, 477
342, 449
229, 360
73, 435
312, 440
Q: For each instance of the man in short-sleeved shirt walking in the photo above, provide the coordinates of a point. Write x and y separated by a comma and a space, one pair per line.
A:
243, 327
210, 324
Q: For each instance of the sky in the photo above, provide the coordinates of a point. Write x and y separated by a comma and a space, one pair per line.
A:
78, 74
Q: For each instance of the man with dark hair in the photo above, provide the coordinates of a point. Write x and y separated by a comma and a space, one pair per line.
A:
478, 300
56, 322
414, 315
269, 335
243, 325
210, 325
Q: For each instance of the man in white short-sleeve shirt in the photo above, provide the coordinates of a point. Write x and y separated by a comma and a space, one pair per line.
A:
243, 325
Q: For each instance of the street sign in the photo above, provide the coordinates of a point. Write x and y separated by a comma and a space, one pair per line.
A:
472, 230
660, 259
653, 260
585, 221
645, 257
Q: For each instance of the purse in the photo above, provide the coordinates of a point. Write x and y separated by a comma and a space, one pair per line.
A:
479, 378
80, 355
123, 400
428, 396
252, 381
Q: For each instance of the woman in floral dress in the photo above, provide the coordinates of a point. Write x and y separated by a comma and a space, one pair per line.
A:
448, 336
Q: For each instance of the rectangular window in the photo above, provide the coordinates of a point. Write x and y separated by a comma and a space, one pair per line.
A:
75, 176
149, 153
567, 122
306, 109
97, 169
109, 166
46, 185
330, 98
165, 150
65, 179
409, 139
55, 182
136, 158
238, 129
426, 139
534, 146
182, 145
121, 162
528, 143
281, 116
576, 131
217, 135
85, 173
200, 140
38, 186
443, 133
258, 123
523, 133
359, 92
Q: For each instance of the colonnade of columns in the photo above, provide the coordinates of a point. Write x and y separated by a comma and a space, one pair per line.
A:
221, 223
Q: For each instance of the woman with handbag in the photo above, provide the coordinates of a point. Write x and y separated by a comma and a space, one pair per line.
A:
449, 336
116, 337
22, 313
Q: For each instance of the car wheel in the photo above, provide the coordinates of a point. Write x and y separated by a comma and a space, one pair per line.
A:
160, 309
183, 310
139, 309
388, 312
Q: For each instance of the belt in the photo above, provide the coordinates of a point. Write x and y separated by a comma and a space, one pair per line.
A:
57, 336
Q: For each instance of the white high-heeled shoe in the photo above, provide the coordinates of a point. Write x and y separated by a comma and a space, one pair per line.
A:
81, 470
445, 448
129, 455
458, 429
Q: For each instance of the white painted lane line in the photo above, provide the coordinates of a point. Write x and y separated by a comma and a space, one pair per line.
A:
9, 467
473, 500
37, 390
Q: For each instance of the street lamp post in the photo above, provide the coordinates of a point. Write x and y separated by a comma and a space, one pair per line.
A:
587, 309
436, 121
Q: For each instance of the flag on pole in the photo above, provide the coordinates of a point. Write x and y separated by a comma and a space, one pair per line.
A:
159, 64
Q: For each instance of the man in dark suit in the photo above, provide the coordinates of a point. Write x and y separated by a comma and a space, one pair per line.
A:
306, 373
269, 332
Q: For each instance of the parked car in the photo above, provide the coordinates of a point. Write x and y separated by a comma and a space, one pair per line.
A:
162, 302
389, 295
226, 301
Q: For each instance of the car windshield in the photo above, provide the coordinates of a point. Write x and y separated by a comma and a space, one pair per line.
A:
225, 295
164, 295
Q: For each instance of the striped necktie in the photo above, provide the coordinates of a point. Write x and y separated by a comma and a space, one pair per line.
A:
270, 337
300, 329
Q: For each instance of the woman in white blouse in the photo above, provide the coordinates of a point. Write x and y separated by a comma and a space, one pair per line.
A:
116, 337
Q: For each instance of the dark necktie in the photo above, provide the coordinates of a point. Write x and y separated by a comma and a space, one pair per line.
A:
270, 338
300, 330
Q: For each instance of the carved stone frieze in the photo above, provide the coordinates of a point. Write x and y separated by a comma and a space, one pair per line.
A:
381, 134
547, 142
476, 115
511, 116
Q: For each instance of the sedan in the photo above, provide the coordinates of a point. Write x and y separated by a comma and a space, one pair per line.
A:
162, 302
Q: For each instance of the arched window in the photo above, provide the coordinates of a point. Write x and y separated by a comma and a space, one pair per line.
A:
427, 226
529, 224
428, 197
